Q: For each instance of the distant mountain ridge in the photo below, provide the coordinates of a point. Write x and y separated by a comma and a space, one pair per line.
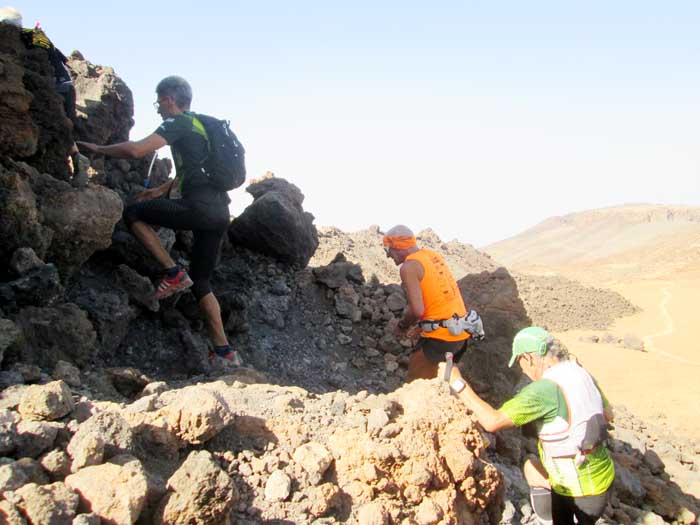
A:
643, 238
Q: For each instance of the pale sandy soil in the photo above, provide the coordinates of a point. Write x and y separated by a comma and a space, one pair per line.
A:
662, 384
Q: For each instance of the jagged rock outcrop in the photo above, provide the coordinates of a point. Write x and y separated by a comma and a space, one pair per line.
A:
41, 133
275, 223
104, 103
495, 296
81, 221
18, 133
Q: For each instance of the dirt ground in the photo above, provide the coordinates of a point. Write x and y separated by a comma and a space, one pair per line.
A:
661, 384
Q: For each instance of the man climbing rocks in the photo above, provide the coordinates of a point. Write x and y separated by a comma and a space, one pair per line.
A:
574, 473
63, 83
433, 297
202, 208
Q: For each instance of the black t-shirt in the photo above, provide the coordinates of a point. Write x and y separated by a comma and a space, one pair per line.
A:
190, 146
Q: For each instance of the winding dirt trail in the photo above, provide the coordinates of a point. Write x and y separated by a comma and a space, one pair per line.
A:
662, 383
668, 329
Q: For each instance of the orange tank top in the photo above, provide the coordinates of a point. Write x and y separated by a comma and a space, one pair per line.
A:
441, 296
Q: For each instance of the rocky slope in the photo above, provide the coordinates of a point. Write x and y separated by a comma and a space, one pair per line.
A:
112, 412
365, 247
551, 301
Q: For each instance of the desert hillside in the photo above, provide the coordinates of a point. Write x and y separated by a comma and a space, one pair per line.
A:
610, 243
650, 255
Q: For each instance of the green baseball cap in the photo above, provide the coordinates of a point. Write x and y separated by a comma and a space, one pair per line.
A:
531, 340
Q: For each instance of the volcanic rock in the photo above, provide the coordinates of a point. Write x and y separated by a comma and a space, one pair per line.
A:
104, 103
115, 491
275, 223
201, 493
40, 286
54, 334
24, 260
46, 402
47, 504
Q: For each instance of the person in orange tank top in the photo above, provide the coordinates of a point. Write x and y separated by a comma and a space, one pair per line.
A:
433, 295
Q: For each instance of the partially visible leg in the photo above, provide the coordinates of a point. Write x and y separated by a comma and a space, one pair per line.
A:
562, 509
535, 473
204, 255
145, 234
420, 367
540, 490
175, 214
429, 353
212, 312
588, 509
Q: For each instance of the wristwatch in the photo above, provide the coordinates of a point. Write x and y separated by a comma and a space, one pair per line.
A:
457, 385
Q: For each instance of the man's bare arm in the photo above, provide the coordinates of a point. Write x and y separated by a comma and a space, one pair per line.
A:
129, 149
488, 417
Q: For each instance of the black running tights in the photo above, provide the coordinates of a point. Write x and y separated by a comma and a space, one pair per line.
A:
551, 507
207, 222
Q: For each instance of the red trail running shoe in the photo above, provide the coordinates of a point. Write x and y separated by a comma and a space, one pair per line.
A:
168, 286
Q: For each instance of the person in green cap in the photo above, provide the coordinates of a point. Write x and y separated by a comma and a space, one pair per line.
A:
574, 473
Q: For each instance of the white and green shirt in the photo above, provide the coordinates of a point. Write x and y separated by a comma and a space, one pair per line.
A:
542, 402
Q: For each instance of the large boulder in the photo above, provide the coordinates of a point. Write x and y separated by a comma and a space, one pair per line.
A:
81, 220
115, 491
46, 402
47, 504
104, 103
275, 223
201, 493
55, 334
196, 415
111, 428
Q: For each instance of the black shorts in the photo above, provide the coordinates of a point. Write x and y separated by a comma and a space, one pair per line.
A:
435, 349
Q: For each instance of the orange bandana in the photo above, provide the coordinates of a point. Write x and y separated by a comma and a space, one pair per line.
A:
399, 242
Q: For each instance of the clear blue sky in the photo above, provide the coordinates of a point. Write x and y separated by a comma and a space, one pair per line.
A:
475, 118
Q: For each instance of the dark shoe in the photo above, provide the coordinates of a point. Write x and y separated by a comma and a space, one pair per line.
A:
168, 286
